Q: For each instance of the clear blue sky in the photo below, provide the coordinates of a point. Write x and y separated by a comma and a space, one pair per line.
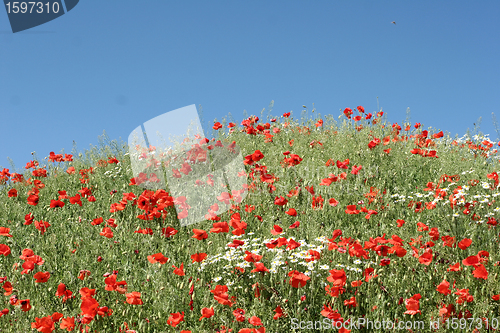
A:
113, 65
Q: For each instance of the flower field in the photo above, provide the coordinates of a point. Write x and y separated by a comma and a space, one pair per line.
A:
344, 224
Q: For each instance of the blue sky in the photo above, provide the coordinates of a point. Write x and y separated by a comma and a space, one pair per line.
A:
113, 65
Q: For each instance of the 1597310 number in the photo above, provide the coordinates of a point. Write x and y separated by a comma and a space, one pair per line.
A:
32, 7
471, 323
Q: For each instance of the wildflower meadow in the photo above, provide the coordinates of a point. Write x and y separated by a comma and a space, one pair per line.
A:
345, 223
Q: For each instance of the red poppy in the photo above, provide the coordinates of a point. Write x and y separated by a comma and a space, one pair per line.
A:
259, 267
255, 321
62, 291
4, 250
56, 203
175, 319
280, 201
33, 200
298, 279
207, 313
464, 243
480, 272
42, 226
41, 277
279, 313
412, 305
199, 234
292, 244
470, 261
134, 298
219, 227
45, 324
5, 232
276, 230
106, 232
315, 255
158, 257
198, 257
25, 305
351, 302
179, 270
294, 225
113, 285
425, 258
444, 288
351, 209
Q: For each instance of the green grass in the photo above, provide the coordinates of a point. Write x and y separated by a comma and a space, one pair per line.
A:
395, 181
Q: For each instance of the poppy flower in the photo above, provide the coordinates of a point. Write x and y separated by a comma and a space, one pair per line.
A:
7, 286
279, 313
68, 324
454, 268
12, 193
252, 257
276, 230
255, 321
42, 226
25, 305
444, 288
41, 277
259, 267
5, 232
56, 203
198, 257
315, 255
113, 285
4, 250
294, 225
412, 305
158, 257
480, 272
291, 212
145, 231
33, 200
134, 298
470, 261
45, 324
4, 312
351, 302
207, 313
175, 319
333, 202
199, 234
179, 270
464, 296
425, 258
239, 314
62, 291
298, 279
464, 243
280, 201
106, 232
292, 244
28, 219
168, 231
317, 202
351, 209
236, 243
219, 227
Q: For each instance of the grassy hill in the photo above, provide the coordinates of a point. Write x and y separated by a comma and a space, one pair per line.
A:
349, 221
